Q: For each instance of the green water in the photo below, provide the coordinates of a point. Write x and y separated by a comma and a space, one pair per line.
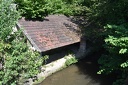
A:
82, 73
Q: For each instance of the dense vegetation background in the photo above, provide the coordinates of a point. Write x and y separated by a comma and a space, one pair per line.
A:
108, 17
112, 17
17, 61
40, 8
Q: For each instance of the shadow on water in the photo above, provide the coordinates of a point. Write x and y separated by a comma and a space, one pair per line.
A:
90, 67
82, 73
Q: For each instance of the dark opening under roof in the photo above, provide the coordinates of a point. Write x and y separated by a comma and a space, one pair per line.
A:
53, 32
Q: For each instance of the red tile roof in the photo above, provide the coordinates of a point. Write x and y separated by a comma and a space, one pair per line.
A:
53, 32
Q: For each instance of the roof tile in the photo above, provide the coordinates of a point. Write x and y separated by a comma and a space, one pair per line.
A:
54, 32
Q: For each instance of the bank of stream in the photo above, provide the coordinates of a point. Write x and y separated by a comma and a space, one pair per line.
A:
82, 73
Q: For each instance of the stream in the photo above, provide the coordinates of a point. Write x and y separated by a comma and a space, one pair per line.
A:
82, 73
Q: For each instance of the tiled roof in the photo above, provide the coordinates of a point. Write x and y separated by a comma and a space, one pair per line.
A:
53, 32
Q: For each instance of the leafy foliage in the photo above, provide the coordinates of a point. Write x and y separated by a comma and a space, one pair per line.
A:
18, 61
106, 11
112, 15
6, 15
40, 8
70, 60
116, 44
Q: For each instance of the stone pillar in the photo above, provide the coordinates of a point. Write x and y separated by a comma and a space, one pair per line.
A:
82, 49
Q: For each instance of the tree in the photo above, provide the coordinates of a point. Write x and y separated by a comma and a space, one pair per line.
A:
38, 9
112, 17
18, 61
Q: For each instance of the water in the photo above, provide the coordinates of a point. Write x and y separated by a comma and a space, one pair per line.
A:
82, 73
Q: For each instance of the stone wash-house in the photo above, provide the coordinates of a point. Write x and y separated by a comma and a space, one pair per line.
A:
54, 32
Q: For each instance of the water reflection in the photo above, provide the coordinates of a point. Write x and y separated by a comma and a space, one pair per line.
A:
82, 73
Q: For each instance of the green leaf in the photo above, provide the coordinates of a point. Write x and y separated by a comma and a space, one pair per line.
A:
124, 65
122, 51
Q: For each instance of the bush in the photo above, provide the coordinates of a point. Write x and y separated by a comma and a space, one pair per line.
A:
112, 17
115, 59
18, 61
38, 9
8, 18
